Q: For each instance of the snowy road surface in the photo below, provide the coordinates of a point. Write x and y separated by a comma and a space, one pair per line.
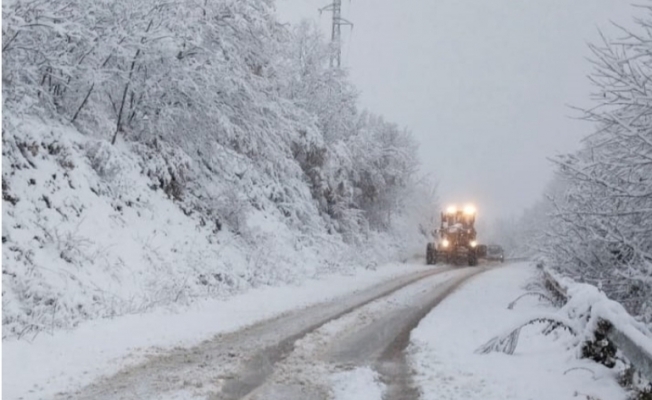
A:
289, 356
410, 335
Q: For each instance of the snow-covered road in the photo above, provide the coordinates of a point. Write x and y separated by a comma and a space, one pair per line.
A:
379, 334
289, 356
41, 366
371, 336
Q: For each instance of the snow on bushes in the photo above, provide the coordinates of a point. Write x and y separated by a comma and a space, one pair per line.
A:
587, 315
581, 315
89, 237
95, 236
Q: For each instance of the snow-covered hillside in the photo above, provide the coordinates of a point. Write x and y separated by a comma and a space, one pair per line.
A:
157, 153
86, 233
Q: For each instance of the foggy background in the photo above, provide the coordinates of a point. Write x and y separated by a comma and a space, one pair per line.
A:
485, 86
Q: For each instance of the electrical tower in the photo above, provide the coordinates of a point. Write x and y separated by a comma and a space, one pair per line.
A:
336, 8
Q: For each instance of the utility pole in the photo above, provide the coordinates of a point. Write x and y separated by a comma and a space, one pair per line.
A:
336, 33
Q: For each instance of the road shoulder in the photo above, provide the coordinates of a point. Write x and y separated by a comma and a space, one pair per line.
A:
442, 348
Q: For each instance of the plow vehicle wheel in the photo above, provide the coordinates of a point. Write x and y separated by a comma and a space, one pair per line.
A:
473, 259
431, 254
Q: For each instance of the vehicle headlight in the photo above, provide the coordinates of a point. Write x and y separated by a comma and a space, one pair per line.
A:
469, 210
445, 243
473, 243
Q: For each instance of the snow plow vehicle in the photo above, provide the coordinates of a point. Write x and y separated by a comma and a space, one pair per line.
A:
455, 240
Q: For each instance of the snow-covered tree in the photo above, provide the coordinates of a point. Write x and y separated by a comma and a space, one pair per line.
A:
600, 227
251, 102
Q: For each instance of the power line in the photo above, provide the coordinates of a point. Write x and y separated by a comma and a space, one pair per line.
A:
336, 33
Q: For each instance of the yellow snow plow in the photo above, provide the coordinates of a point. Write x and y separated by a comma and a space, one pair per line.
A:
455, 240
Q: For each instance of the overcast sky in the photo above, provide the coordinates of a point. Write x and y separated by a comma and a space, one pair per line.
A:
484, 85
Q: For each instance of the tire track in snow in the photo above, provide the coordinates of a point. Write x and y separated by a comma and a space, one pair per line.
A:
374, 335
258, 368
392, 365
232, 365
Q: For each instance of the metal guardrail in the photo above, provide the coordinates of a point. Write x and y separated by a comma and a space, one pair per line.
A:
638, 356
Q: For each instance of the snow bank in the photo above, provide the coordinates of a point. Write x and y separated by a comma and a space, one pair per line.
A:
92, 230
587, 305
90, 235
